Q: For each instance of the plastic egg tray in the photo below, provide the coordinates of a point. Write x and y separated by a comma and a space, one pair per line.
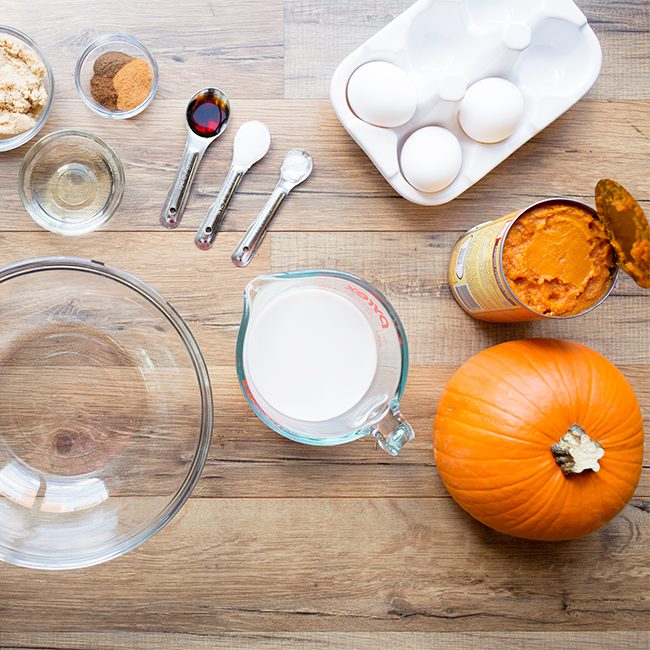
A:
545, 48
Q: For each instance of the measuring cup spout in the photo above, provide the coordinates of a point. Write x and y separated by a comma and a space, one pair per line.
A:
255, 287
392, 432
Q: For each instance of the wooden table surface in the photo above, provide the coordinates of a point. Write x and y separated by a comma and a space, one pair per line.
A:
284, 545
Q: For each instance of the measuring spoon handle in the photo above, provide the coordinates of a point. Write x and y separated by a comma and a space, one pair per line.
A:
251, 241
176, 201
207, 233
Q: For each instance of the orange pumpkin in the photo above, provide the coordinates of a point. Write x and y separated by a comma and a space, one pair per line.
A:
541, 439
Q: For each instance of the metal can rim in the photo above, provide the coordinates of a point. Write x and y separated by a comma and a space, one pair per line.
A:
504, 237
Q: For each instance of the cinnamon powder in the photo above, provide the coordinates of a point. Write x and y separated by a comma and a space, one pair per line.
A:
132, 84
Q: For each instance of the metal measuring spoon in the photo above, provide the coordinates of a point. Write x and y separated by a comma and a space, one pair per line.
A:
296, 167
252, 142
206, 118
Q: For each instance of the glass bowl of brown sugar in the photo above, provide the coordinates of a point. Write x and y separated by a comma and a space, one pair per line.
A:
116, 76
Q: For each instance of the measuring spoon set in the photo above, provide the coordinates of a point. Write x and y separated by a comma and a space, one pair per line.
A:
207, 116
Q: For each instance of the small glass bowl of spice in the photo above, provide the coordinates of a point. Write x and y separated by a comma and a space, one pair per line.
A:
116, 76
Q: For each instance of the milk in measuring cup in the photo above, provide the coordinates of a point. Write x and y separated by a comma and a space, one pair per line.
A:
311, 354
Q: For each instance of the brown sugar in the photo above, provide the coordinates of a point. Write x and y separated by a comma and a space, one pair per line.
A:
558, 260
132, 84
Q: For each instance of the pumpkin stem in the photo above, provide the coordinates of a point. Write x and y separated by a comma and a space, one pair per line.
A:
576, 451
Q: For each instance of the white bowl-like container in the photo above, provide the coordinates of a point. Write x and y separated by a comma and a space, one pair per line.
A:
547, 49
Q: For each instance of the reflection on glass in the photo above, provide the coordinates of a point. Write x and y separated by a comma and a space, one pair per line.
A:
19, 484
66, 495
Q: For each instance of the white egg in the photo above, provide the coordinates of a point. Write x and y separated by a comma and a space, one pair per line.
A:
491, 110
382, 94
431, 159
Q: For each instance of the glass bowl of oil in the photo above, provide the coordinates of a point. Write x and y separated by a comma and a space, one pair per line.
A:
71, 182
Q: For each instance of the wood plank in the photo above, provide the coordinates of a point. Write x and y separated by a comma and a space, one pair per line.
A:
236, 46
207, 290
323, 640
346, 192
246, 458
249, 460
345, 564
321, 33
411, 270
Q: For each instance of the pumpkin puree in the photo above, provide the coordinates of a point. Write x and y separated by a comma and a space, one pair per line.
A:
558, 260
641, 251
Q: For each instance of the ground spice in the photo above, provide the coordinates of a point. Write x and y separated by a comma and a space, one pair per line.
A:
132, 83
120, 82
103, 91
109, 63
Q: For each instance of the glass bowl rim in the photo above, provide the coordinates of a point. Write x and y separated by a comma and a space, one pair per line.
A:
92, 223
183, 492
21, 138
91, 103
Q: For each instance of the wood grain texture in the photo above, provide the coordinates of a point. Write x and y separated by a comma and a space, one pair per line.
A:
343, 565
345, 191
320, 640
320, 33
289, 546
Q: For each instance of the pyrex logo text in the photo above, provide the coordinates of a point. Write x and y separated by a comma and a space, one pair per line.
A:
385, 323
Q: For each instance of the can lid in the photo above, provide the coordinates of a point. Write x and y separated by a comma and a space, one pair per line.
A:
627, 228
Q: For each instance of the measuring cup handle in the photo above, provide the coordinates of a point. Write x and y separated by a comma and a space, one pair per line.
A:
179, 192
392, 432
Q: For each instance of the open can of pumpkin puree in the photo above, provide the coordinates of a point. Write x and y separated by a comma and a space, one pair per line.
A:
551, 260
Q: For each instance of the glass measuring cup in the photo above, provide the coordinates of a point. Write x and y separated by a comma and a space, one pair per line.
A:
376, 413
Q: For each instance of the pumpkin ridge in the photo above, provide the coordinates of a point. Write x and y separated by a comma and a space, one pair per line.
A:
536, 407
521, 482
453, 390
572, 391
562, 495
612, 477
517, 507
612, 400
592, 378
611, 431
538, 514
617, 460
540, 473
619, 424
536, 369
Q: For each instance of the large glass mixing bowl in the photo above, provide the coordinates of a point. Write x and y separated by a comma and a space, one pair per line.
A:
105, 413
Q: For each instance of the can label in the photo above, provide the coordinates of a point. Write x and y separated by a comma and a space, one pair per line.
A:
475, 274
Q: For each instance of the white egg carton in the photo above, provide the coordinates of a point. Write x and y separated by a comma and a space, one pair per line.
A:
546, 48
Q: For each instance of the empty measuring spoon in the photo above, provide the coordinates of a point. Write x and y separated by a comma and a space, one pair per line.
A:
296, 167
206, 118
252, 142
